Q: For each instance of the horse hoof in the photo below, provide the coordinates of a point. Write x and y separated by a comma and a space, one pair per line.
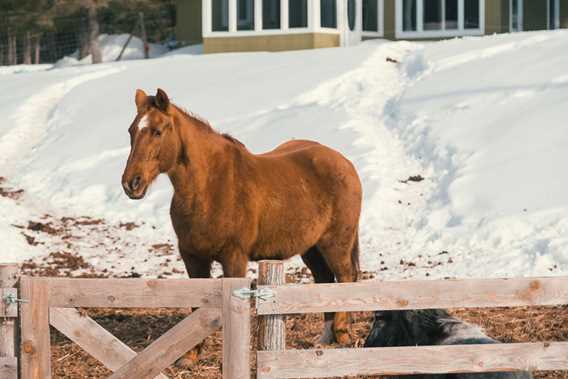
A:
187, 361
343, 339
327, 337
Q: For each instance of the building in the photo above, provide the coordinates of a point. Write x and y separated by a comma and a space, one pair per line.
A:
274, 25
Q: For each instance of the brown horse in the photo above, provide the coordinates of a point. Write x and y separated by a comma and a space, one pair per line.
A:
232, 206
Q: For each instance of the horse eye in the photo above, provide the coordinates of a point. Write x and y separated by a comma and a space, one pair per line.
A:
156, 133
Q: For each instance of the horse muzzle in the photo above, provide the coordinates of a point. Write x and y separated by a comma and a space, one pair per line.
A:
134, 188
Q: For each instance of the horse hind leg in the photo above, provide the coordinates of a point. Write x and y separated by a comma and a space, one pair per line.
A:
342, 258
322, 274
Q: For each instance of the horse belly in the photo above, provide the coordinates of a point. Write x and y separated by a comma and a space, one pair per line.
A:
292, 231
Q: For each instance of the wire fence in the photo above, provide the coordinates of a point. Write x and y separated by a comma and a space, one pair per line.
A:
27, 38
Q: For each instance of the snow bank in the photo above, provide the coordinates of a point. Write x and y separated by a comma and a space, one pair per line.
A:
481, 119
111, 45
487, 116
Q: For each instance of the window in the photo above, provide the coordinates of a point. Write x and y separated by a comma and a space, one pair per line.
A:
516, 7
553, 14
471, 14
439, 18
433, 14
370, 15
220, 15
351, 14
298, 13
245, 14
328, 10
270, 14
451, 14
409, 10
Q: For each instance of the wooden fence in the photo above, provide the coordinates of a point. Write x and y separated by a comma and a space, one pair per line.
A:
276, 362
53, 301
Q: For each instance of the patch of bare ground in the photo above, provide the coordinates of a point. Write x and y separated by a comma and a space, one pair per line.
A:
9, 192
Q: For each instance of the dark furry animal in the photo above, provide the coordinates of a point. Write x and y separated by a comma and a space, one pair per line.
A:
430, 327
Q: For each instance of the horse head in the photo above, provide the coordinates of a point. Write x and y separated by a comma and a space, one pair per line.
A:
152, 143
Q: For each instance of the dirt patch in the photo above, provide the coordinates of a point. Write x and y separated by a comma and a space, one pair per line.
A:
413, 178
162, 248
8, 192
128, 226
60, 263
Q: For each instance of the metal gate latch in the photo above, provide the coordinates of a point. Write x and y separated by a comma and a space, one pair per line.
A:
12, 299
247, 293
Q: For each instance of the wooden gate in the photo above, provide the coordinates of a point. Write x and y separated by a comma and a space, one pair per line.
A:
277, 362
53, 301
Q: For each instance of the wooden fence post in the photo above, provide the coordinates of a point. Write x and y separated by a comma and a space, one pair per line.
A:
8, 336
35, 349
236, 330
272, 329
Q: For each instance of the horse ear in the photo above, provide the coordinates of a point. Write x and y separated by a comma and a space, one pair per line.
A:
162, 100
140, 99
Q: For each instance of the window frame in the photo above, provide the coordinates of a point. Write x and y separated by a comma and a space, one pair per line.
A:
556, 4
520, 16
380, 21
443, 33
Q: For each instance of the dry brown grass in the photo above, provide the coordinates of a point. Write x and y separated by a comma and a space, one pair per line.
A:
139, 327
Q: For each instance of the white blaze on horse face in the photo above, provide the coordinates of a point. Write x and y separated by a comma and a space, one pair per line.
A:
144, 122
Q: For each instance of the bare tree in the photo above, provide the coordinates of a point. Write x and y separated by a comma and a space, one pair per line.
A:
27, 48
94, 47
12, 49
37, 48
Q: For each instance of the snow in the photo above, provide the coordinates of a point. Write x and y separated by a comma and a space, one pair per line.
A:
481, 119
111, 45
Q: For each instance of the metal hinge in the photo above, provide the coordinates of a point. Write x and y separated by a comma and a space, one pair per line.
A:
12, 299
247, 293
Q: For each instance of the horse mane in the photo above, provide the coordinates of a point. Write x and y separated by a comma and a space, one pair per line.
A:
206, 125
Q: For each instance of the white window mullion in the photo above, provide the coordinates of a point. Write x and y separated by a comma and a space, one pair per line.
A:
521, 16
310, 15
482, 15
206, 16
461, 16
257, 15
443, 14
232, 15
284, 24
381, 17
420, 15
316, 15
557, 14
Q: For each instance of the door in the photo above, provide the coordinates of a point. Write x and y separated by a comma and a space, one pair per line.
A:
350, 27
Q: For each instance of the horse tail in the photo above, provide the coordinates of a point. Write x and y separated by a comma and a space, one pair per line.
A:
355, 258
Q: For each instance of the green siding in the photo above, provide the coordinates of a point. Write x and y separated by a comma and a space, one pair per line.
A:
389, 19
564, 13
535, 15
188, 23
496, 16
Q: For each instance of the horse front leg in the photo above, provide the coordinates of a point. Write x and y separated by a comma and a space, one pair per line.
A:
234, 262
197, 268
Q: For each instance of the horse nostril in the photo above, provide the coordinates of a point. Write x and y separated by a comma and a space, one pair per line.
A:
135, 183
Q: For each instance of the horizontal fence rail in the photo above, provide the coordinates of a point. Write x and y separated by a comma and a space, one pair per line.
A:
406, 295
134, 293
415, 294
412, 360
